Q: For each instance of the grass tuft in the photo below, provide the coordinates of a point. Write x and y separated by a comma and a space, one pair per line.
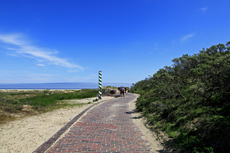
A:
12, 102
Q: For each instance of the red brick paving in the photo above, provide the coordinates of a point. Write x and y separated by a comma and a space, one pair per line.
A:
107, 127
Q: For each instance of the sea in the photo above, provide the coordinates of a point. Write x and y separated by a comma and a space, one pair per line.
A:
66, 86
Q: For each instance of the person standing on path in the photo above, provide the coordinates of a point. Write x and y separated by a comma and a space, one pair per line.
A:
123, 92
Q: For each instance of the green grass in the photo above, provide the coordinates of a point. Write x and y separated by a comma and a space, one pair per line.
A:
47, 98
40, 100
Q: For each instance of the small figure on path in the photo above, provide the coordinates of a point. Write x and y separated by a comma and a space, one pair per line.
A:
123, 92
119, 88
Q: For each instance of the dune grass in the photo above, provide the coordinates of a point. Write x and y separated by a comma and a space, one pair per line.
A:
47, 98
41, 101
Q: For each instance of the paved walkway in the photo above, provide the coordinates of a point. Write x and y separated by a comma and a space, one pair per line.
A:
108, 127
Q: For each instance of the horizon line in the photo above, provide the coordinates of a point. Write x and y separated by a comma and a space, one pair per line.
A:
67, 82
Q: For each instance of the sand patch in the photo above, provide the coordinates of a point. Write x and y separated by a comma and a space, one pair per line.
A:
147, 133
27, 134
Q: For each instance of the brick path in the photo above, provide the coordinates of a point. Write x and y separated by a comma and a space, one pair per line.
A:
108, 127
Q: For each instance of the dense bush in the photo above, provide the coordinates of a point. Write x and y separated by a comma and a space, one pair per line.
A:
190, 100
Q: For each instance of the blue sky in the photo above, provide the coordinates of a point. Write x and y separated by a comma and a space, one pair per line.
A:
45, 41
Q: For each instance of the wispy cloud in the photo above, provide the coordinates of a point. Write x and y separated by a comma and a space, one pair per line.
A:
40, 65
27, 77
204, 9
185, 38
22, 47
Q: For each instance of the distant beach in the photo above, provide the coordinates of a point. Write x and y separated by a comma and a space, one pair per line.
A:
57, 86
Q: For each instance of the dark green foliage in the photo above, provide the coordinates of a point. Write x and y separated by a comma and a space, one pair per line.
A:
190, 100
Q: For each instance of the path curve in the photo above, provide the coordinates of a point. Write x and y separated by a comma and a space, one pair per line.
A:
107, 127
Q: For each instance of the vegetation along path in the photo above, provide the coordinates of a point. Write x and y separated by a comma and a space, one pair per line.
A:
108, 127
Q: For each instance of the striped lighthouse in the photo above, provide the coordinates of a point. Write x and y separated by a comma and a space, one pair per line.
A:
100, 84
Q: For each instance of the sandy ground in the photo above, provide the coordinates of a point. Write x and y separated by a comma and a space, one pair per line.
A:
147, 134
25, 135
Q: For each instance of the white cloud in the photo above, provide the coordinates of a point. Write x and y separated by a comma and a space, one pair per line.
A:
183, 39
204, 9
12, 39
27, 77
40, 65
24, 48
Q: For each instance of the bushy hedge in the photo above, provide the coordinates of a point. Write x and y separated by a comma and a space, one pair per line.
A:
190, 100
